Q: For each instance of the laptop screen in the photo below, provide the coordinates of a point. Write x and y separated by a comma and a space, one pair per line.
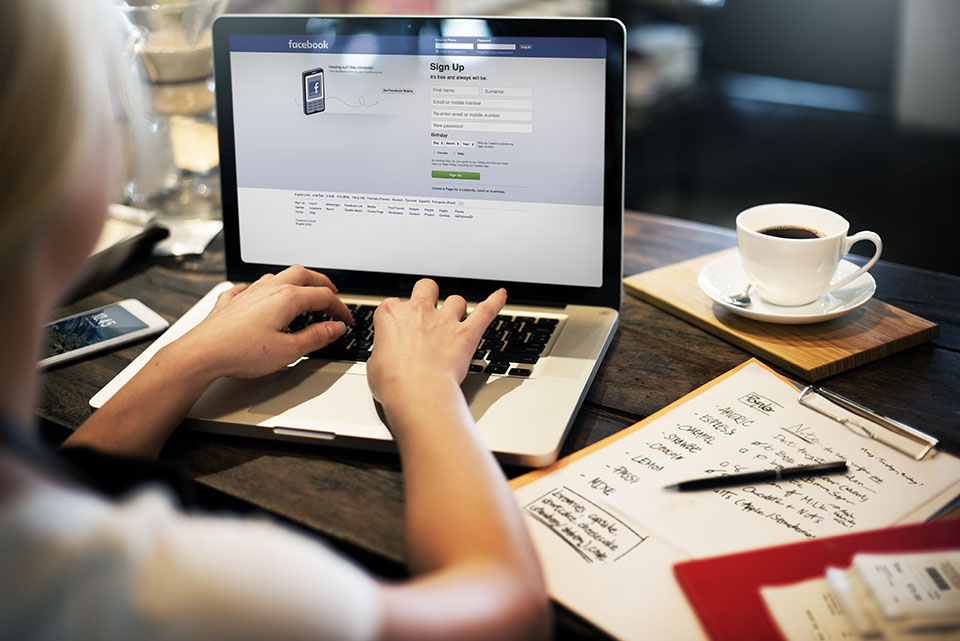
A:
454, 150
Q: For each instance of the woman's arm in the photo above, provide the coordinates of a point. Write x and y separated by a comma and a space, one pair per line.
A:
476, 573
242, 337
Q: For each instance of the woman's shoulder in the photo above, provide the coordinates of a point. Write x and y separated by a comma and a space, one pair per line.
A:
141, 559
42, 510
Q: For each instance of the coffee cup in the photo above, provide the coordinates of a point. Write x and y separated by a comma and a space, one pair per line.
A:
790, 252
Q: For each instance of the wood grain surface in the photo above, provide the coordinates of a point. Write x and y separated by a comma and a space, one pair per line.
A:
812, 351
354, 499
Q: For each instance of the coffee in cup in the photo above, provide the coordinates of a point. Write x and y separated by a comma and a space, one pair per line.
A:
790, 252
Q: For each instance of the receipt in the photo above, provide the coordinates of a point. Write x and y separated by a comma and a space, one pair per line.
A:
907, 597
808, 611
923, 587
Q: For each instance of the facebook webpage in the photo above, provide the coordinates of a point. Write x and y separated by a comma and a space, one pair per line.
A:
463, 157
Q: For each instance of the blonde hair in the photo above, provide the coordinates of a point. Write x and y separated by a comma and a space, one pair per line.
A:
52, 95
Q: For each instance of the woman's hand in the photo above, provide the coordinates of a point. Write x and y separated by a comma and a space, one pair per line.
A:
475, 573
244, 335
416, 343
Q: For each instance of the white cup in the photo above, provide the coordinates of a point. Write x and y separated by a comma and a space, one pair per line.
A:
792, 271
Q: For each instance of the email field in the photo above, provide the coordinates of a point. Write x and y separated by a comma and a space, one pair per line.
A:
481, 103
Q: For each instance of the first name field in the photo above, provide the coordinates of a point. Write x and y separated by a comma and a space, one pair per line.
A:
503, 92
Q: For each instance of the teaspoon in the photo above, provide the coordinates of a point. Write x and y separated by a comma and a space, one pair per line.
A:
741, 299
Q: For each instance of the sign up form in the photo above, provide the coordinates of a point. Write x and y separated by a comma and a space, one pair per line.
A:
469, 157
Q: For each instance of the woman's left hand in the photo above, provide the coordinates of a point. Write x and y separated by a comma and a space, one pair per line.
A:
244, 335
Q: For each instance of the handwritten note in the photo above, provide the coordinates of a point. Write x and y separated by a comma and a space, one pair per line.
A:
595, 534
608, 533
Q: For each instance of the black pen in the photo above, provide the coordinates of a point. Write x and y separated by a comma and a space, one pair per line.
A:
772, 476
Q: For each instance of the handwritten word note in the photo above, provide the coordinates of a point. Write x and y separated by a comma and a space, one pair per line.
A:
608, 533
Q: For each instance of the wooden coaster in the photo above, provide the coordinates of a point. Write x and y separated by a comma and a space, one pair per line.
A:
812, 351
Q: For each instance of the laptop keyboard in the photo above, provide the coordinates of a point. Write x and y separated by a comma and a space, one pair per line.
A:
511, 345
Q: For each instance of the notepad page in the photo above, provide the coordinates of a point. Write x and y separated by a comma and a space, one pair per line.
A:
608, 533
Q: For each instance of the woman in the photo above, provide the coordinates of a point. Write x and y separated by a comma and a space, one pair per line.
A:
74, 564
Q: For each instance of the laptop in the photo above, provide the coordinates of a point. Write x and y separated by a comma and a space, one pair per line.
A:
480, 152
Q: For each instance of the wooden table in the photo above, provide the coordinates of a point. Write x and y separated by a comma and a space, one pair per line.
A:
355, 499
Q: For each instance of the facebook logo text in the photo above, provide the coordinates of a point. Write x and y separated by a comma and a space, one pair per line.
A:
307, 44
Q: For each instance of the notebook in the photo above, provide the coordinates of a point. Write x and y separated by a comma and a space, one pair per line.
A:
480, 152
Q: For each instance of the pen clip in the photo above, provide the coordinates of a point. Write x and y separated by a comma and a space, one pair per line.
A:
882, 426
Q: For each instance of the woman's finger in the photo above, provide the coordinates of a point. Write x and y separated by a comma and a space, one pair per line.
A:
455, 305
317, 335
427, 290
484, 313
300, 275
314, 299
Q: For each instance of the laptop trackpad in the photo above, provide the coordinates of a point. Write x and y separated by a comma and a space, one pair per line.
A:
321, 395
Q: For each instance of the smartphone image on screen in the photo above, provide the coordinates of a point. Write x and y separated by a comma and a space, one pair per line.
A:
99, 329
313, 91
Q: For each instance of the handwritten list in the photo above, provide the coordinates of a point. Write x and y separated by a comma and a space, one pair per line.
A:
608, 532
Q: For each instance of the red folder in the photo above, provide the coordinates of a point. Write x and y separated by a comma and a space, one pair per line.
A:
724, 590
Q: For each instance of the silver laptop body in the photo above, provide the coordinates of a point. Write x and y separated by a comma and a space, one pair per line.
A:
481, 152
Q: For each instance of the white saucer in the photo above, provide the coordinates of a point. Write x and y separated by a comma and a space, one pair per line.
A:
724, 276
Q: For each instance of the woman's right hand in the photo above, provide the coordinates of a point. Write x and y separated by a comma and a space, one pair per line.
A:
475, 572
417, 344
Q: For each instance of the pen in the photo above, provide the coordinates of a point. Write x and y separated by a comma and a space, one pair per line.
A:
711, 482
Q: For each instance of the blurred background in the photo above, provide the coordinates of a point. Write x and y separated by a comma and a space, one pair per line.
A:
852, 105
